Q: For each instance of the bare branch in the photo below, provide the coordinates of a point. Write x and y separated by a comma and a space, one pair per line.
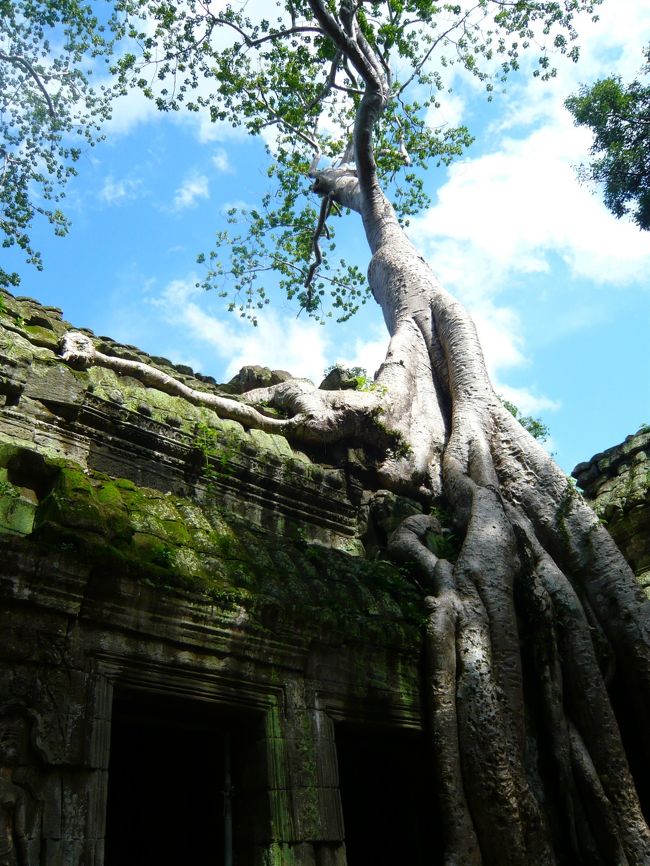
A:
432, 48
377, 62
344, 42
353, 91
277, 118
280, 34
329, 82
16, 60
326, 206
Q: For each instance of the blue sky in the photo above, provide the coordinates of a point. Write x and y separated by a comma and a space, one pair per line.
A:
559, 289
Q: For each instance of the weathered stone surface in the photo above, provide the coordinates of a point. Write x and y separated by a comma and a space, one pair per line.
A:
254, 376
150, 549
617, 483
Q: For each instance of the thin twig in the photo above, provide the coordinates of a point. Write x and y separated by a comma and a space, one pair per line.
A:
432, 48
329, 82
254, 43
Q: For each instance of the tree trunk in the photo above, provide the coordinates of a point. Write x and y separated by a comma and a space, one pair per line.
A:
533, 618
531, 767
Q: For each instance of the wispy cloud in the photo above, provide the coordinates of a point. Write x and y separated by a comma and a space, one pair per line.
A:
117, 192
221, 162
129, 111
280, 341
194, 187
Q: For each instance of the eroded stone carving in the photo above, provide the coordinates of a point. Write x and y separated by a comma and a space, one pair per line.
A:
20, 808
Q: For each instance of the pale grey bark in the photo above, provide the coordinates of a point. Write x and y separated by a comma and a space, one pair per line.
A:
525, 531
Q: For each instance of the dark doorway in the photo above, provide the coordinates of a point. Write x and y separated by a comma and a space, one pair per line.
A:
389, 807
166, 781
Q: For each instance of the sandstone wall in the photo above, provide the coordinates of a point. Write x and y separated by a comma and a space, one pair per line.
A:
617, 484
150, 552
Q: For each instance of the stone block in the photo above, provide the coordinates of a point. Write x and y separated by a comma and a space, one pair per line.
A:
49, 793
75, 804
281, 815
17, 507
331, 855
270, 756
317, 814
55, 385
52, 853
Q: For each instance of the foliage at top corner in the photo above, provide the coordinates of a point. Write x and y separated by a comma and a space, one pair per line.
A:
276, 71
49, 113
619, 117
535, 426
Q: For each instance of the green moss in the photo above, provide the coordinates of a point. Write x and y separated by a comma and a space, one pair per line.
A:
16, 510
72, 504
277, 445
173, 543
43, 336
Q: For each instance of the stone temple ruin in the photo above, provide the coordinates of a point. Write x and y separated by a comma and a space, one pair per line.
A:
204, 657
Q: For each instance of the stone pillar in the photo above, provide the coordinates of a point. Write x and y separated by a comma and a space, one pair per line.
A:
305, 807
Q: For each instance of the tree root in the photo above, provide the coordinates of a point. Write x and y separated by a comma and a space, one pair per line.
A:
315, 416
523, 628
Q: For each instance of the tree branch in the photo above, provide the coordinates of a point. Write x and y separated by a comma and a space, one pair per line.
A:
277, 118
78, 350
432, 48
343, 41
16, 60
326, 206
254, 43
330, 82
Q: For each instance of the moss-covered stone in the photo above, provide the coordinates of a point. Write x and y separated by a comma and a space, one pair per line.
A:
617, 485
172, 542
250, 523
17, 507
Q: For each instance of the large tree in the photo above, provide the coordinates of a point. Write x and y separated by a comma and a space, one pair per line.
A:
536, 617
619, 116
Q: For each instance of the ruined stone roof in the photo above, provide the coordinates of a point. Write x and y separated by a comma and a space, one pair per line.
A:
616, 483
121, 482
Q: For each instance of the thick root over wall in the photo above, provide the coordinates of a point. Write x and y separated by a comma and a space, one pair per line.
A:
530, 624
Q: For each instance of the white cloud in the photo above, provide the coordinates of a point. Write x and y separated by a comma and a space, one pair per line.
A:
527, 402
281, 340
129, 111
278, 342
367, 352
116, 192
451, 107
499, 332
194, 187
507, 212
221, 161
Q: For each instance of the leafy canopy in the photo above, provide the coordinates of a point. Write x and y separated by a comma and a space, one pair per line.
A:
48, 111
279, 75
619, 116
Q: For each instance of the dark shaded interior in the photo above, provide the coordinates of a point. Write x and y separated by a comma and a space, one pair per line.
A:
635, 740
389, 807
166, 801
